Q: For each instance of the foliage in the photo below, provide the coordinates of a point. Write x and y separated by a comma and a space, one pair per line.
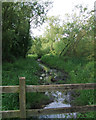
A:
67, 46
80, 70
39, 48
79, 36
74, 37
16, 21
28, 68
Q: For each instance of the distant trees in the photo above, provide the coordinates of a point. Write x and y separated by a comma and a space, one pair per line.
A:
72, 37
53, 31
16, 20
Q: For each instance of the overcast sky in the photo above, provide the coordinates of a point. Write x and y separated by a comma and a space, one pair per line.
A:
61, 7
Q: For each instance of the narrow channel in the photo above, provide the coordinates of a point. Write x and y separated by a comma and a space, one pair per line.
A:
60, 98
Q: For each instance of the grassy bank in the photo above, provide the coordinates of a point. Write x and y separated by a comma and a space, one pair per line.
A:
22, 68
80, 70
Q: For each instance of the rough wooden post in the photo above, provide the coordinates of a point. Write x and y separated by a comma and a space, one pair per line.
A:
22, 97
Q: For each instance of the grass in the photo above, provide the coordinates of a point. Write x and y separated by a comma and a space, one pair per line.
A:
29, 69
22, 67
80, 70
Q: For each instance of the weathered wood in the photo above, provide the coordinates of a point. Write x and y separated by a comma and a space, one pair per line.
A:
61, 87
43, 88
37, 112
10, 114
62, 110
22, 97
9, 89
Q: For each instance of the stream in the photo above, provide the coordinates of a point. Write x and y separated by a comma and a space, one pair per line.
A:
60, 98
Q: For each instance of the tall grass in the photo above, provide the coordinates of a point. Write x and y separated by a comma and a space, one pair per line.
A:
28, 68
80, 70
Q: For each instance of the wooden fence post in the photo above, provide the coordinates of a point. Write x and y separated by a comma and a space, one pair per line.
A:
22, 97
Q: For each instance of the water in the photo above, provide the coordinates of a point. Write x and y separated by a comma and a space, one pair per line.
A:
49, 76
60, 98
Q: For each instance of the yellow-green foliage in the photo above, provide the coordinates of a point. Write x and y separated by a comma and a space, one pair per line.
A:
85, 47
59, 46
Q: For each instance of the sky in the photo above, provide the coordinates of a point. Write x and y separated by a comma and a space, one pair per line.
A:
61, 7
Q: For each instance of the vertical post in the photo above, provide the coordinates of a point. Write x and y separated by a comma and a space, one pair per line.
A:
22, 97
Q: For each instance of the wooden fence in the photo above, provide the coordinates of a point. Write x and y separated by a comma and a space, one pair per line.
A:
22, 88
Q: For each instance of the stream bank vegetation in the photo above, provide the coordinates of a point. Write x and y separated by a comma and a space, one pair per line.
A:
17, 18
68, 47
23, 67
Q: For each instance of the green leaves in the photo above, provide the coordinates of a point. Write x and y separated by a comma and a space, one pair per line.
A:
17, 19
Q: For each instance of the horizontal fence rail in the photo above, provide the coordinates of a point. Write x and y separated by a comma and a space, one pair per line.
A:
44, 88
61, 87
9, 89
37, 112
22, 88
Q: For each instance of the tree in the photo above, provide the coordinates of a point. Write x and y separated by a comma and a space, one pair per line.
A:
17, 19
73, 36
53, 32
77, 30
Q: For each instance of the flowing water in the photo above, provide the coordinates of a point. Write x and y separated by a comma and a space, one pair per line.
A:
60, 98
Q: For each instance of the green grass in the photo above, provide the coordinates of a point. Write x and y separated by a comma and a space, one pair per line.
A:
21, 68
80, 70
27, 68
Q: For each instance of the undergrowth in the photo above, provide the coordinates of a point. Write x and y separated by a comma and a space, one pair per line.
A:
29, 69
80, 70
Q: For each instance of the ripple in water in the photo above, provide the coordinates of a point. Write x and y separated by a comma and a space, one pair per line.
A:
59, 99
